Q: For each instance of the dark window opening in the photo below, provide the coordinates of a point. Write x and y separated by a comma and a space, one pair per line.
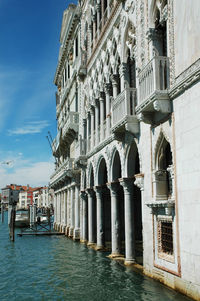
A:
68, 71
167, 237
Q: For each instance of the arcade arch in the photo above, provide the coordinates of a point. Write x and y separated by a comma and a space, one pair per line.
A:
133, 168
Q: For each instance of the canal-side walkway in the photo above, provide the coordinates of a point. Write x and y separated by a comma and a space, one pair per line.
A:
57, 268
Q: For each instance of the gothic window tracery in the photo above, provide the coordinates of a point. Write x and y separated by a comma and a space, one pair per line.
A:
159, 16
164, 171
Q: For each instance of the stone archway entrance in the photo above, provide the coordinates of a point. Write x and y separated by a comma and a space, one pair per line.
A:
103, 208
133, 168
92, 218
84, 212
117, 208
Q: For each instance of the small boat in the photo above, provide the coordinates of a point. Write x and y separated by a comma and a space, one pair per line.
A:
21, 219
42, 219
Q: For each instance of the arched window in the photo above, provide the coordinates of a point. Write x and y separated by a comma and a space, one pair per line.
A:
131, 70
159, 14
163, 173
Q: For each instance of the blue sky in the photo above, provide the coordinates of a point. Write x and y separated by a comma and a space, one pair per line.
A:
29, 46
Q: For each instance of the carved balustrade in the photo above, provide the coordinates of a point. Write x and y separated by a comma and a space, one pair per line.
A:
71, 125
153, 84
64, 169
123, 112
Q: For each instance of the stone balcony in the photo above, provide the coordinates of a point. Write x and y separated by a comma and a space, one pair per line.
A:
123, 112
70, 127
81, 150
81, 65
65, 169
153, 99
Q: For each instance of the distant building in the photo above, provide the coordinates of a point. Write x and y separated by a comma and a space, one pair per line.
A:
43, 197
25, 197
10, 193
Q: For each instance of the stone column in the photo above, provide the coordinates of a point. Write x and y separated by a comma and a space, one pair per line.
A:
90, 28
123, 75
108, 8
115, 219
102, 12
71, 230
65, 210
83, 146
115, 80
100, 221
92, 127
101, 99
68, 211
108, 115
88, 133
91, 226
77, 214
127, 184
55, 210
98, 18
94, 28
59, 211
97, 123
84, 231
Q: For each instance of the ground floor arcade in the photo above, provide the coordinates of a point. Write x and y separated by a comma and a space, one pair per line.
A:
102, 205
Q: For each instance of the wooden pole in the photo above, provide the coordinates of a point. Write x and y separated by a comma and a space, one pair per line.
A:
2, 212
49, 218
12, 224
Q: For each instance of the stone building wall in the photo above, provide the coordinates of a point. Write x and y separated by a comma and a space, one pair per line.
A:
128, 168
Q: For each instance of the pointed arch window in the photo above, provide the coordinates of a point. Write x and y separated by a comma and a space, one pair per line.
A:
164, 172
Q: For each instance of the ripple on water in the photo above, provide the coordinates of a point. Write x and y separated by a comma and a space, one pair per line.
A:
56, 268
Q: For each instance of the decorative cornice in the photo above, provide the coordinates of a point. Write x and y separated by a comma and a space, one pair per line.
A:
187, 78
75, 18
101, 146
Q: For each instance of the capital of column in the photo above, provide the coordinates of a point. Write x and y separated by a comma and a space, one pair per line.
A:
114, 79
88, 114
83, 195
96, 103
153, 34
98, 190
107, 87
123, 69
127, 184
94, 17
101, 95
114, 187
84, 121
90, 191
91, 110
98, 6
90, 27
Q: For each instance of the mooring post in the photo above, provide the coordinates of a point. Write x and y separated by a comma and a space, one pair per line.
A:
49, 218
12, 223
2, 212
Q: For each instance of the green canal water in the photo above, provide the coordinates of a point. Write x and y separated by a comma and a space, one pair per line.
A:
56, 268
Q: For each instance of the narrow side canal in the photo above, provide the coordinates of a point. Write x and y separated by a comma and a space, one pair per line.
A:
56, 268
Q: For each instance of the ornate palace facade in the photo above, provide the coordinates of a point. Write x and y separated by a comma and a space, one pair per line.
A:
127, 149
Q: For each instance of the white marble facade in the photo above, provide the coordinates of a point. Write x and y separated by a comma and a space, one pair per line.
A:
127, 149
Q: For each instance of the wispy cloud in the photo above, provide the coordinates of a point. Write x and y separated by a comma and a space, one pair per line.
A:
24, 172
30, 128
